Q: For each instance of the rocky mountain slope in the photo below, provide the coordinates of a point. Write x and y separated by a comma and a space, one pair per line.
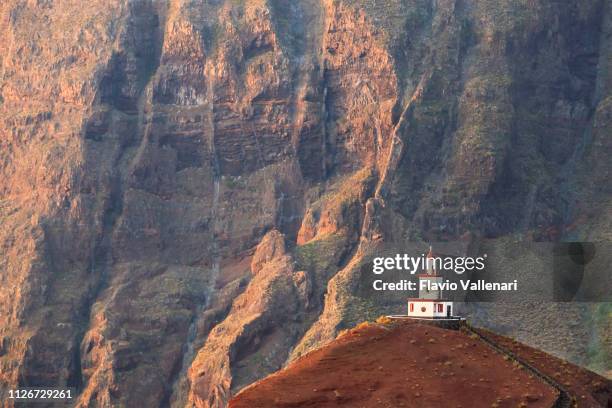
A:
188, 189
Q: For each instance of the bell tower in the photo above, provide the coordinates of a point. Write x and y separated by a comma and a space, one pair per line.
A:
430, 304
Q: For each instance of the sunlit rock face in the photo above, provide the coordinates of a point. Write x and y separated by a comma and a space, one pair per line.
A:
188, 189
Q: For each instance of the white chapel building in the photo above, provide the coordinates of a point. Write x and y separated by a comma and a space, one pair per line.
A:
430, 304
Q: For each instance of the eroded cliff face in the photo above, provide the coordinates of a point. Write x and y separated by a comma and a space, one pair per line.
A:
188, 189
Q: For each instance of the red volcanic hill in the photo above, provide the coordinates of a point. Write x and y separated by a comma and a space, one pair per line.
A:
409, 364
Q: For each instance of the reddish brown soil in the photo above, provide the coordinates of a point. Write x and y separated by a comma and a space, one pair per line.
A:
588, 389
403, 365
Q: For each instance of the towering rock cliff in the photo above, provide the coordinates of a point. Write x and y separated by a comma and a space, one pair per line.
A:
188, 189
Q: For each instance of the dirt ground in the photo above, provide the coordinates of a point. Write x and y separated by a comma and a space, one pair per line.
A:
588, 389
400, 365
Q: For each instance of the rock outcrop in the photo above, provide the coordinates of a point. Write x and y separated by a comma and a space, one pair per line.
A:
261, 325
